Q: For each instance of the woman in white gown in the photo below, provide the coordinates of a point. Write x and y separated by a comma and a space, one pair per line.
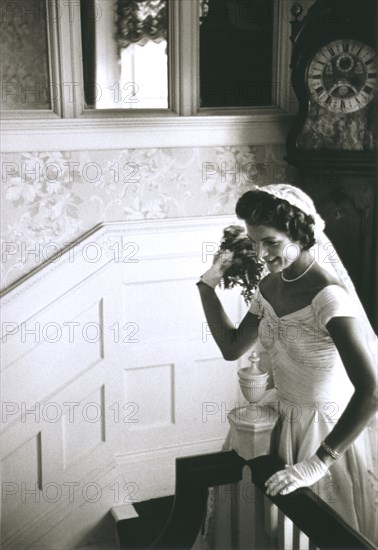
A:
322, 348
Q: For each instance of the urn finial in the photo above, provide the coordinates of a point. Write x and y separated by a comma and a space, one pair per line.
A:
253, 381
255, 362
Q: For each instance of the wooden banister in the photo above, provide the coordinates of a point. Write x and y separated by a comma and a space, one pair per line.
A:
323, 526
194, 475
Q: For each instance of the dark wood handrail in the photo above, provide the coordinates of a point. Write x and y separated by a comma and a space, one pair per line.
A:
323, 526
194, 475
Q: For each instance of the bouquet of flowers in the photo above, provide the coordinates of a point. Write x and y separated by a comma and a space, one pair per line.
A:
246, 268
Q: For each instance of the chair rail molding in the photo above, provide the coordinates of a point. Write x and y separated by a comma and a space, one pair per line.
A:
171, 237
108, 376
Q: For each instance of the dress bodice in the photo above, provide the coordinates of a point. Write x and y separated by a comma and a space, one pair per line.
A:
306, 365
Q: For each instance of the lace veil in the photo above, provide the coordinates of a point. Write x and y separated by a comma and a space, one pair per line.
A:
328, 258
324, 252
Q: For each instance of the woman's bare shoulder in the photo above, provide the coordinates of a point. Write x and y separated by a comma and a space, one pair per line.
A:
320, 277
304, 289
267, 281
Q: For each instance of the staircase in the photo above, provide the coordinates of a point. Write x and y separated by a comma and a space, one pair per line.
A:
174, 522
138, 525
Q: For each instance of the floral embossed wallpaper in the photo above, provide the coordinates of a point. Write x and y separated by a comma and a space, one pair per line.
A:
56, 197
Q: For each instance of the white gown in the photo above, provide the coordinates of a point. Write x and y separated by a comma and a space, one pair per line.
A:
311, 391
311, 386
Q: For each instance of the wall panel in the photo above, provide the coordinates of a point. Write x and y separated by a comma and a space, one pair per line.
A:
119, 378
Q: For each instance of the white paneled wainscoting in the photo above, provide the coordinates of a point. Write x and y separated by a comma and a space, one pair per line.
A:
108, 374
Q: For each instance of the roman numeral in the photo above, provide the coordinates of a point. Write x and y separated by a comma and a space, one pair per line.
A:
370, 61
367, 89
345, 48
332, 52
342, 104
328, 100
350, 103
372, 75
319, 90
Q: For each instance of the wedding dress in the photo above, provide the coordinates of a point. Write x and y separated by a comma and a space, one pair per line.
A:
311, 391
312, 388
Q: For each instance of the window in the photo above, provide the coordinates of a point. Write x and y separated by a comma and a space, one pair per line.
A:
188, 119
24, 57
125, 53
236, 40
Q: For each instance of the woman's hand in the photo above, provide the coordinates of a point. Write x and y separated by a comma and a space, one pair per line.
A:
221, 262
302, 474
233, 342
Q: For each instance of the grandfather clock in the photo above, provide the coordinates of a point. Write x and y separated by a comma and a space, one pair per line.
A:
333, 140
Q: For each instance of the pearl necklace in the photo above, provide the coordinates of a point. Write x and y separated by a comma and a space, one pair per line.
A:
300, 276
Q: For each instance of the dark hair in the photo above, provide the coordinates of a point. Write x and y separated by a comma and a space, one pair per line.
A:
259, 208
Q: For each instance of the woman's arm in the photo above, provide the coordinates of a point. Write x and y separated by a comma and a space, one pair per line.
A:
233, 342
351, 344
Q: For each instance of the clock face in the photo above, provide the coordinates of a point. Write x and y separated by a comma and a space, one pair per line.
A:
342, 76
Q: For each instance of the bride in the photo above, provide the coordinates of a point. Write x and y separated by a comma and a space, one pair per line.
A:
326, 369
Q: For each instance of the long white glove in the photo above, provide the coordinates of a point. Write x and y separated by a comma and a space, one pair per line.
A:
302, 474
222, 261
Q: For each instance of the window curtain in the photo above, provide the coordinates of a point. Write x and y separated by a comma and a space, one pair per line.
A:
139, 21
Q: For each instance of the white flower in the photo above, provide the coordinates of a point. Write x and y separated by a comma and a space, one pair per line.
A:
53, 187
21, 190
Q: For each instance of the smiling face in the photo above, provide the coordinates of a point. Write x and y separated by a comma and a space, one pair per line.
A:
273, 246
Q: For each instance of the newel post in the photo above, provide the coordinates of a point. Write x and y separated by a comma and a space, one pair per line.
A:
253, 517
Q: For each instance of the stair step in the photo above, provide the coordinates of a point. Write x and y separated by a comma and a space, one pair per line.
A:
139, 524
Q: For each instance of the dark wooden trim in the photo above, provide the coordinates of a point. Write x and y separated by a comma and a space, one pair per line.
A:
194, 475
308, 512
333, 161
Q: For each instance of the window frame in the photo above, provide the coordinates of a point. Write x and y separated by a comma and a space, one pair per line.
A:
69, 127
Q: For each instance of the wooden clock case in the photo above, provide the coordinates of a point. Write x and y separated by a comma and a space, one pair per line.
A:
342, 183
